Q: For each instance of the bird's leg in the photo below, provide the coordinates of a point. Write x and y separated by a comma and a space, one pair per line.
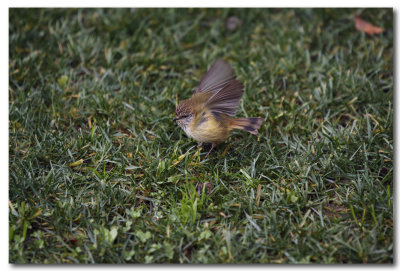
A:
199, 145
212, 147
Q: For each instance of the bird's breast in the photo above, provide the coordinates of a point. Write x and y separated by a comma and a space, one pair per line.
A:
206, 128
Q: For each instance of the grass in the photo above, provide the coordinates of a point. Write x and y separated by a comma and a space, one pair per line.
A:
99, 173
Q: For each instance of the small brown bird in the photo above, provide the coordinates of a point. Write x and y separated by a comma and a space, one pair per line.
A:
207, 115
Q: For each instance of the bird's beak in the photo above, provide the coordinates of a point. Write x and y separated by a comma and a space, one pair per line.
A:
174, 119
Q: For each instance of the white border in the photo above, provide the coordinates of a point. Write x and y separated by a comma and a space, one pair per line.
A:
201, 3
172, 3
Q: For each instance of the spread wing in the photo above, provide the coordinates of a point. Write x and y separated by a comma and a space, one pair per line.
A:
216, 77
226, 100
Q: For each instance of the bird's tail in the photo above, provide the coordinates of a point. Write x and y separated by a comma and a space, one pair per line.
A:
250, 125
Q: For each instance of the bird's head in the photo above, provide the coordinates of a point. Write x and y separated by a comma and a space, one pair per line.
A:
183, 114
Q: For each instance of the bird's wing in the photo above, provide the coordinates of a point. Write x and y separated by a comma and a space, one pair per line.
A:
216, 77
226, 100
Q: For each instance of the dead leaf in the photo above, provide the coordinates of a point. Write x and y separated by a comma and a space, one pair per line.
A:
199, 188
77, 163
232, 23
258, 195
366, 27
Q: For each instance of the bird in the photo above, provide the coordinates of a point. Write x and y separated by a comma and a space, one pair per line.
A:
208, 116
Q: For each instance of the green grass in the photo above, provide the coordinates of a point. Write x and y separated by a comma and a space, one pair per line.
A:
99, 173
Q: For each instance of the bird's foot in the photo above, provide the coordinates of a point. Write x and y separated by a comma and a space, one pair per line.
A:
212, 147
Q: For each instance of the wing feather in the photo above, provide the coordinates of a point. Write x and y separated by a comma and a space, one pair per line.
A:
216, 77
226, 100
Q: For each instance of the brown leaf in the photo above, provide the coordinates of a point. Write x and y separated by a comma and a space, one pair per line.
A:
258, 195
233, 22
199, 188
366, 27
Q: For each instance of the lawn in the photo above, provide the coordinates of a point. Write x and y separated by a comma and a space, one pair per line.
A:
99, 172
